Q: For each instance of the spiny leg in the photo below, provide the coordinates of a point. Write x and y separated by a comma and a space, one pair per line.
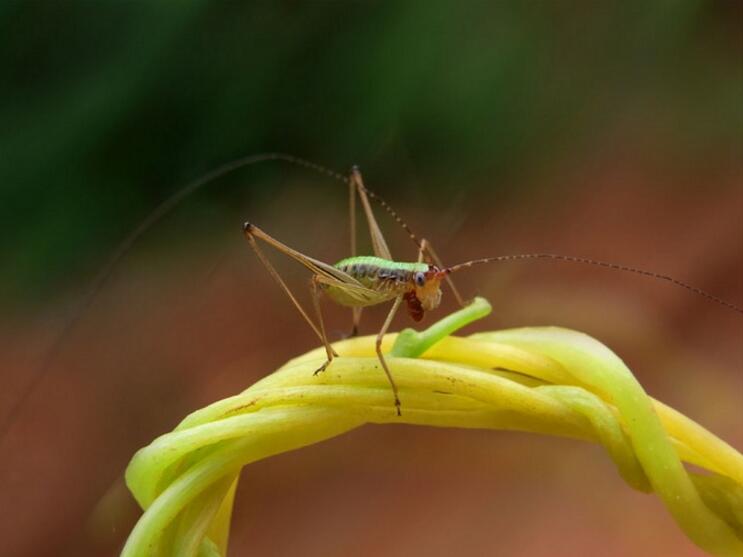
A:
314, 287
274, 273
380, 336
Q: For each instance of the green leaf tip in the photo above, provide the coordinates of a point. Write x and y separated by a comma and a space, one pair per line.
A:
411, 343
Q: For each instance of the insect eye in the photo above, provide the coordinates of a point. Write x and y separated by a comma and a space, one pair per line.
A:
420, 279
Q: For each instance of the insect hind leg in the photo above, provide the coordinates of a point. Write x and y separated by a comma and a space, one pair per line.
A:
251, 233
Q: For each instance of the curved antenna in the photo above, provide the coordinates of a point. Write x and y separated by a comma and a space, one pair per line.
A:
586, 261
397, 218
171, 202
126, 244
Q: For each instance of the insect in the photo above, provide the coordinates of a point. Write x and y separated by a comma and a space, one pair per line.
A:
362, 281
357, 281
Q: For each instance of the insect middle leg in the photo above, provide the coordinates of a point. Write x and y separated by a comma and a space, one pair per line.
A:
356, 312
380, 336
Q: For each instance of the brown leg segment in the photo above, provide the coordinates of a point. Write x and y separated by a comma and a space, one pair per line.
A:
352, 214
380, 336
352, 224
378, 242
274, 273
314, 287
356, 319
427, 248
422, 250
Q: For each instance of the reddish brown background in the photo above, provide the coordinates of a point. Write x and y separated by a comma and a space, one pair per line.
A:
173, 333
609, 130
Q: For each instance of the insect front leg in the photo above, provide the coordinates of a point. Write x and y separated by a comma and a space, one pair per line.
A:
426, 249
315, 289
380, 336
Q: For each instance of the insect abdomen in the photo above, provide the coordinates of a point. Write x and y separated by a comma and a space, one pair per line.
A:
377, 273
388, 279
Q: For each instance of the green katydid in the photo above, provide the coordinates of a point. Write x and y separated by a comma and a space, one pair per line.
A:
361, 281
358, 281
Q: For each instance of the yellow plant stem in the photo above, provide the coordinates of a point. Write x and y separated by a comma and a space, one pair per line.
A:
542, 380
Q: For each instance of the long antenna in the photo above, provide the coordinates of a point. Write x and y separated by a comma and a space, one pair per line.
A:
586, 261
166, 206
171, 202
102, 277
99, 281
393, 214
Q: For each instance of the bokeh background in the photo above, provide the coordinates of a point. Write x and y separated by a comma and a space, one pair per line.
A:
605, 130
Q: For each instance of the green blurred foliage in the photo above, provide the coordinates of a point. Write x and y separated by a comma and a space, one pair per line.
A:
107, 107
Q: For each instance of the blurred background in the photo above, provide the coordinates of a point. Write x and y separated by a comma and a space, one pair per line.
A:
597, 129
